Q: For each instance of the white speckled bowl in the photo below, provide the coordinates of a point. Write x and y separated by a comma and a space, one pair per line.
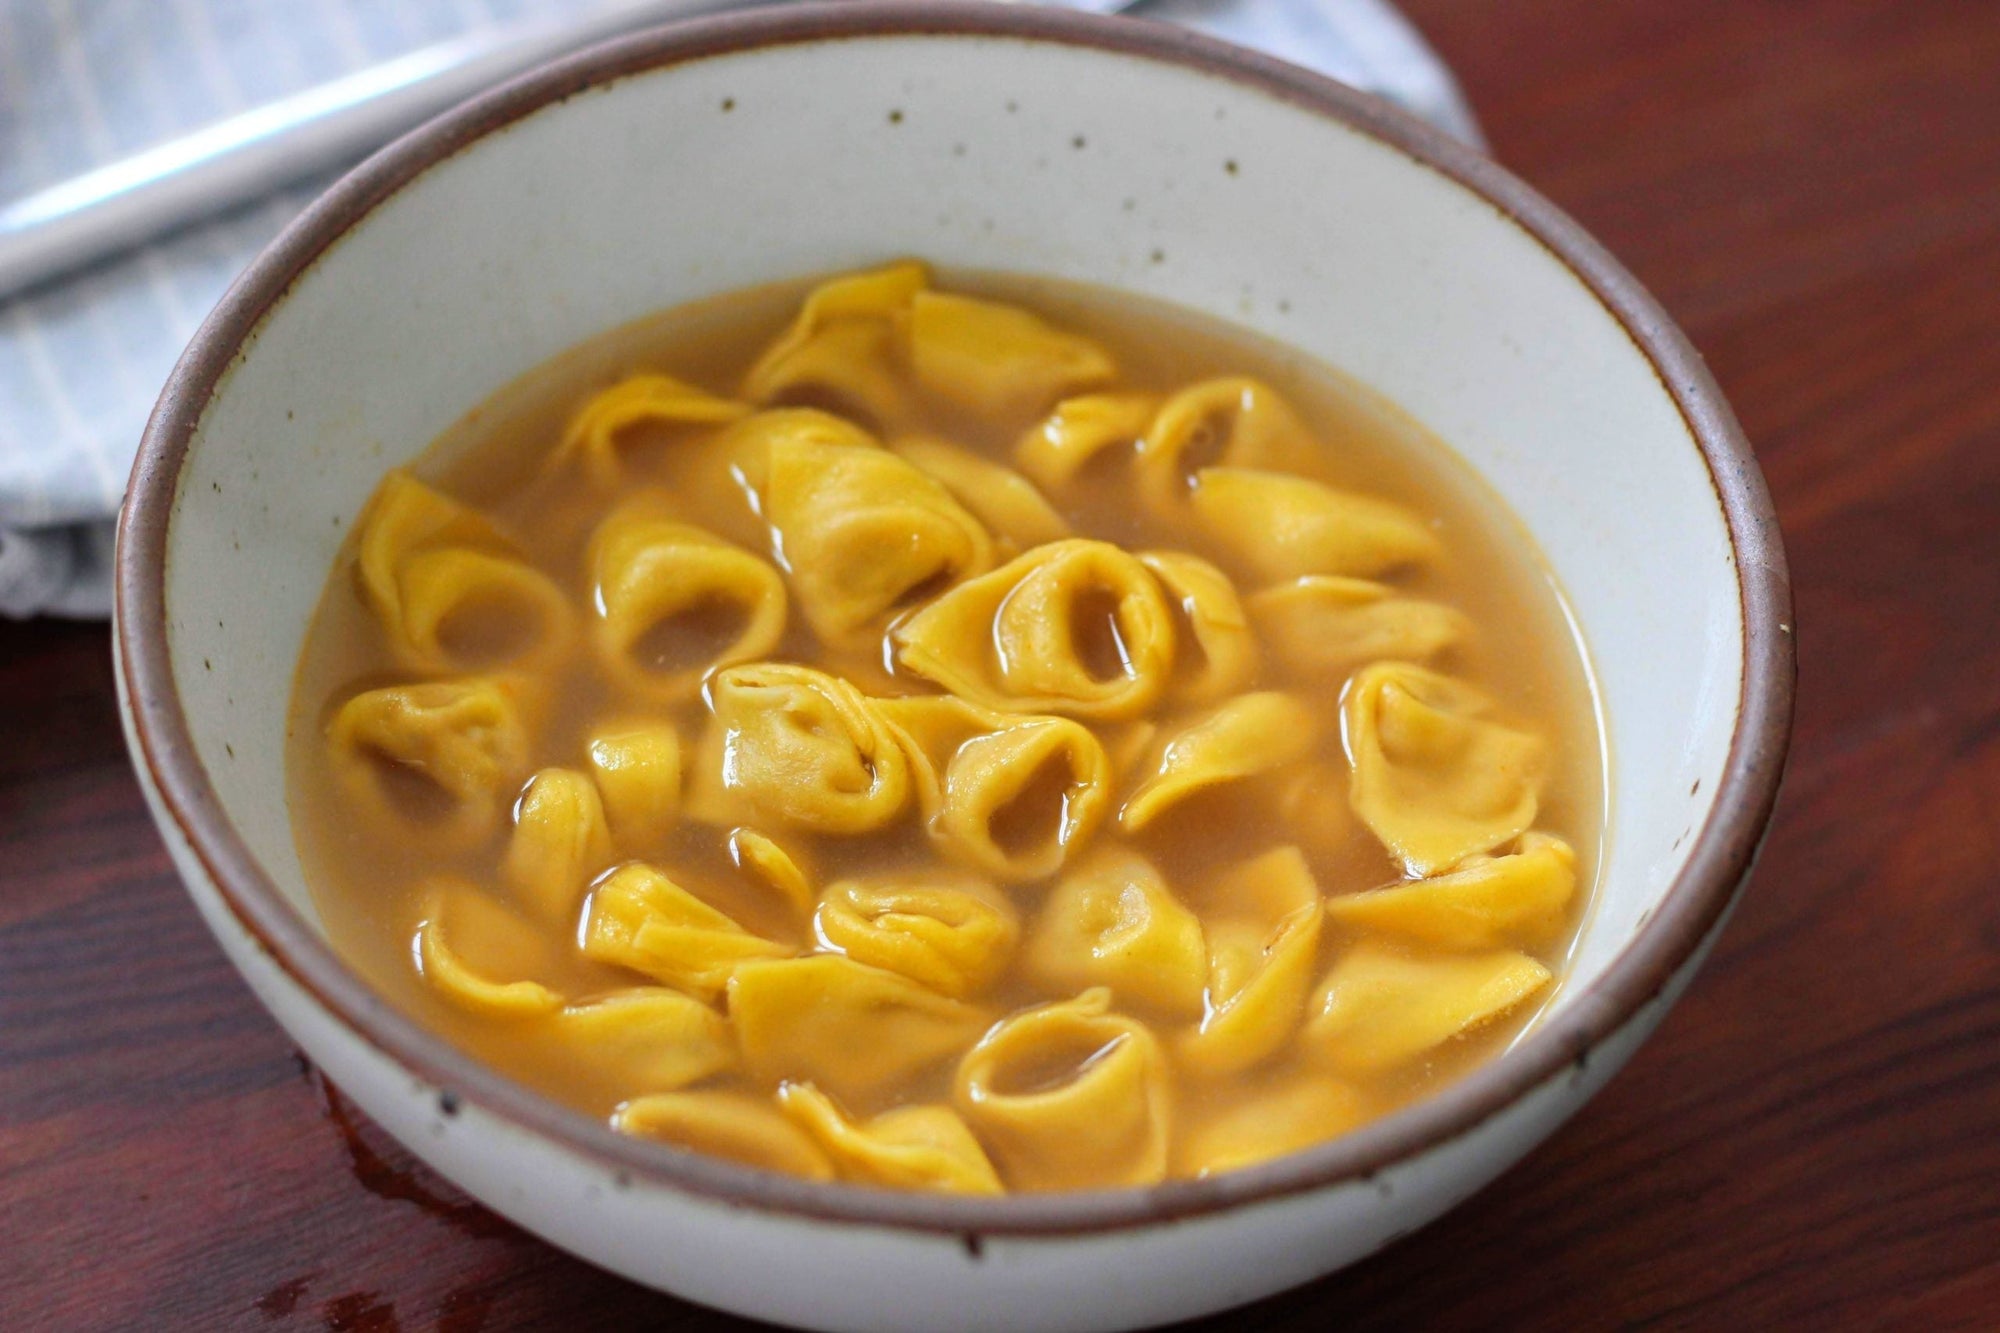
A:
689, 161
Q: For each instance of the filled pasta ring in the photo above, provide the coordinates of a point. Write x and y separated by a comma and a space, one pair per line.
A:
648, 1039
659, 584
908, 1148
600, 429
1218, 654
637, 767
441, 757
853, 1029
801, 747
1521, 898
952, 933
863, 533
1323, 626
478, 955
1379, 1008
1262, 920
734, 1126
1114, 923
1081, 433
1250, 735
1076, 627
447, 587
1276, 526
559, 844
765, 860
997, 360
1105, 1123
999, 497
1233, 422
844, 348
1434, 777
639, 919
1271, 1118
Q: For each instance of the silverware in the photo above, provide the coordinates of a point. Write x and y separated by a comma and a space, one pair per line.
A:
125, 203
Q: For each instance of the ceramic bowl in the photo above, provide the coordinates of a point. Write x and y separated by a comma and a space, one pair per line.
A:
688, 161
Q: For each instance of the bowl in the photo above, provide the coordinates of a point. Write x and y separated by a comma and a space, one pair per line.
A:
678, 163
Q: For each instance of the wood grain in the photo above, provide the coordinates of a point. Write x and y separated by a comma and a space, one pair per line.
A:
1813, 1138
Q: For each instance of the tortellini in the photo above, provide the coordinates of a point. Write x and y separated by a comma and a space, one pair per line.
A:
844, 346
560, 842
1379, 1009
862, 531
439, 757
640, 919
1280, 526
954, 752
1070, 1095
1114, 923
662, 586
954, 934
803, 747
998, 361
447, 587
909, 1148
1004, 500
1483, 902
1434, 777
1322, 626
732, 1125
1251, 734
1075, 627
851, 1028
660, 402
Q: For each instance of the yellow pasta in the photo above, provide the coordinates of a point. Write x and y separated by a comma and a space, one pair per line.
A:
1217, 650
1379, 1009
952, 741
1322, 626
853, 1029
1434, 777
1520, 898
844, 346
909, 1148
560, 843
646, 1040
639, 919
438, 757
1249, 735
1075, 627
660, 585
952, 933
1278, 526
659, 403
1078, 434
801, 747
999, 361
477, 955
1235, 422
637, 767
999, 497
1070, 1095
1114, 923
862, 531
731, 1125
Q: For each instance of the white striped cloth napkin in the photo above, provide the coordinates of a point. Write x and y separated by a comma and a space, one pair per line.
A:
83, 82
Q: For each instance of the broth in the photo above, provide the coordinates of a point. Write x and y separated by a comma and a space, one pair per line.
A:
1155, 956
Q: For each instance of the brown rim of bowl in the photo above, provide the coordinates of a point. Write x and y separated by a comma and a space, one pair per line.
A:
1691, 909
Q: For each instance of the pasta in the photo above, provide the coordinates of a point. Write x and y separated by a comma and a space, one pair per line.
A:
946, 739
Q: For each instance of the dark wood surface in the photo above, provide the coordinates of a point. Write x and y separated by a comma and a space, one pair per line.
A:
1813, 1138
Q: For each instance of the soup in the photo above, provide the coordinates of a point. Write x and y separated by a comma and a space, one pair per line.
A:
978, 735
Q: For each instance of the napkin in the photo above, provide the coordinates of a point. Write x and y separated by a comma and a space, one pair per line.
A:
84, 82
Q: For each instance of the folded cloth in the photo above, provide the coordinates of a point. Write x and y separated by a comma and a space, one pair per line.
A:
83, 82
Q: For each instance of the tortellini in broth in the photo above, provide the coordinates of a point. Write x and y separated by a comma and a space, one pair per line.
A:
934, 741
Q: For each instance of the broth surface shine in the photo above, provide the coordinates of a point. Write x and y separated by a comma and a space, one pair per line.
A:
1069, 884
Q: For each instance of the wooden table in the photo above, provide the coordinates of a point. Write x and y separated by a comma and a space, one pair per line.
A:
1812, 1139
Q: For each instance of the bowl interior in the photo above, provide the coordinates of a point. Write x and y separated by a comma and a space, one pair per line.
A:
736, 168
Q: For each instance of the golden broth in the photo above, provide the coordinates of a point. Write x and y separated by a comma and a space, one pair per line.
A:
1281, 1073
